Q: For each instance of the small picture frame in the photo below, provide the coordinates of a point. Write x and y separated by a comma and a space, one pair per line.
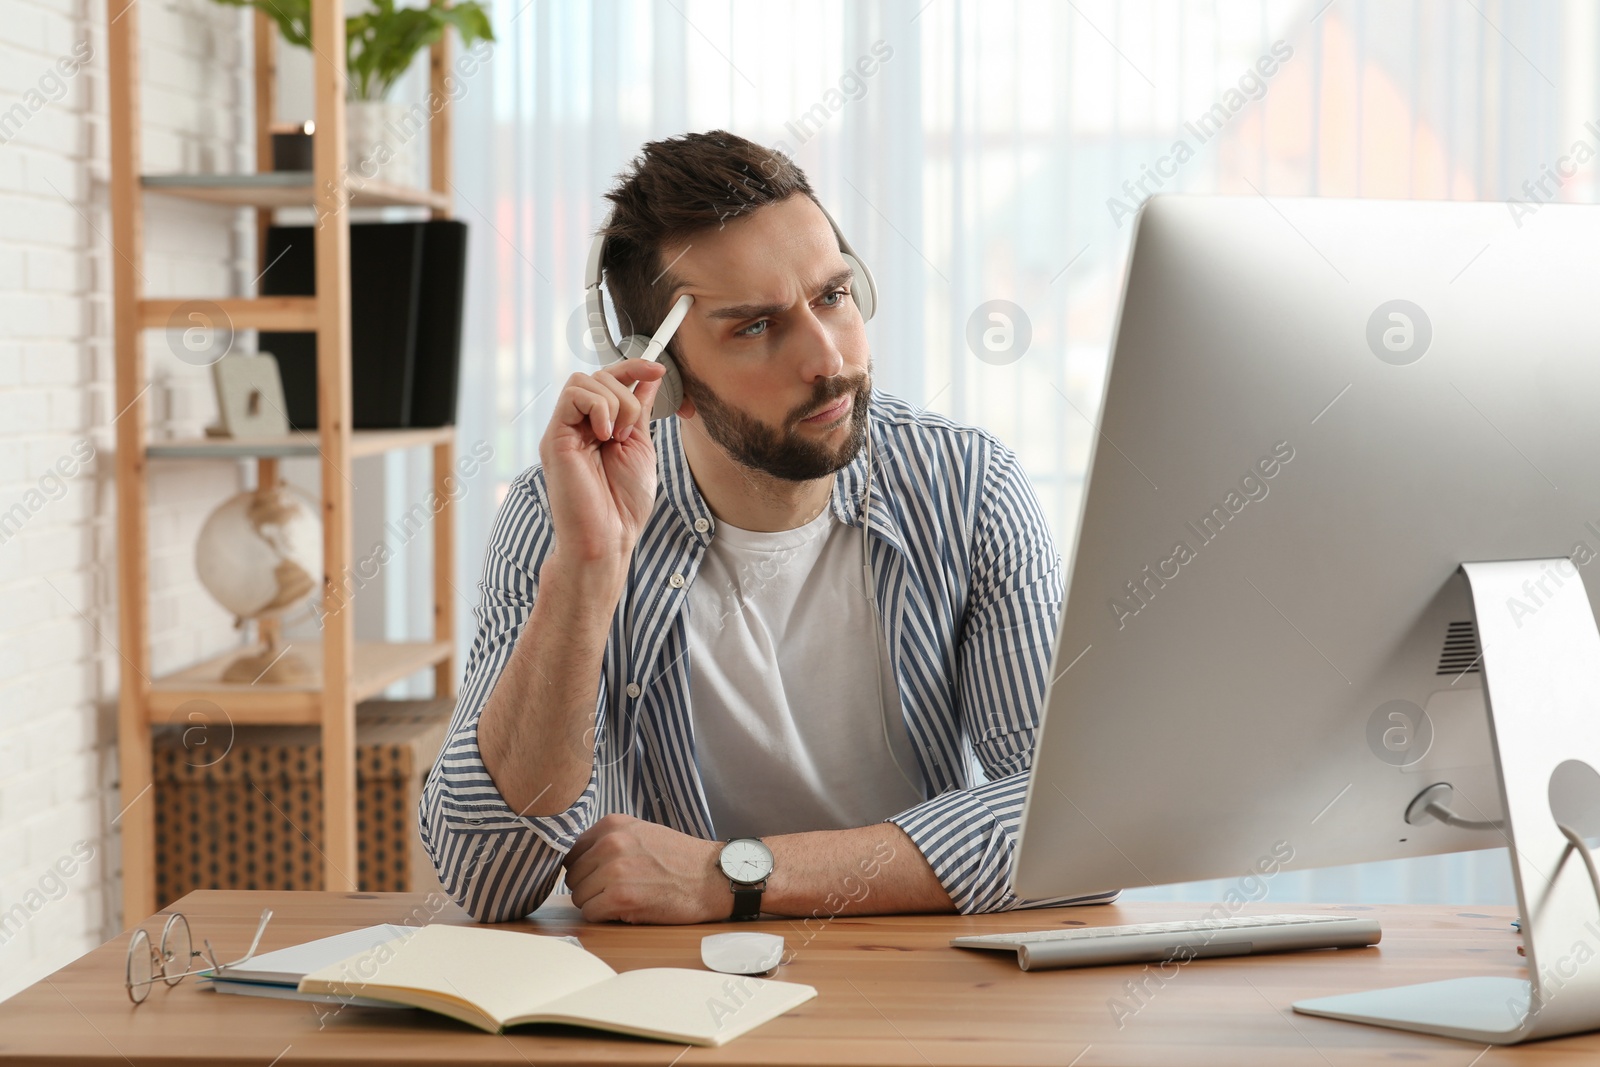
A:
250, 396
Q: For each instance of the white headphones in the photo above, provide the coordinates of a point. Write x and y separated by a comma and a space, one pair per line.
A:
670, 396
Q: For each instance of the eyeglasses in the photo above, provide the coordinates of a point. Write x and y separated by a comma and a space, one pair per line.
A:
177, 952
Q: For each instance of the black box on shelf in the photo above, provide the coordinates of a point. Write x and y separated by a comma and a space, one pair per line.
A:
291, 150
407, 285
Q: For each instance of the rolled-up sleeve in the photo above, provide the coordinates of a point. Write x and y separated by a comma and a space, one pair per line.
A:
495, 863
969, 836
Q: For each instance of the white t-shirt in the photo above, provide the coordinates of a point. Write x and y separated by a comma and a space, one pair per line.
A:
787, 730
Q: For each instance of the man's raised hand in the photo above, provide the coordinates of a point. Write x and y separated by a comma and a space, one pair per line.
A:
599, 462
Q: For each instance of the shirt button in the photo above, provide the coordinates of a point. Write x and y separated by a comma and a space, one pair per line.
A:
702, 525
676, 581
633, 689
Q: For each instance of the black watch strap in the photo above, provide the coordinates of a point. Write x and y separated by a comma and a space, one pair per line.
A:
747, 900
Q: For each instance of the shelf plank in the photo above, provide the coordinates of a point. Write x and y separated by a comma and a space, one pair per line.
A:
298, 443
289, 188
236, 312
378, 664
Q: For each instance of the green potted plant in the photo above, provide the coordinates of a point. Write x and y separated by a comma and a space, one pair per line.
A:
380, 45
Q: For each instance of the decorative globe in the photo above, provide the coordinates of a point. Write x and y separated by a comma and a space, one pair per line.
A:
260, 555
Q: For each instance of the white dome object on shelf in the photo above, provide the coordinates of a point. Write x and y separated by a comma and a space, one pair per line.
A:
260, 555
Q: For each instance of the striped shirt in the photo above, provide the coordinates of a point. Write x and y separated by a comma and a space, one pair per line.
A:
969, 588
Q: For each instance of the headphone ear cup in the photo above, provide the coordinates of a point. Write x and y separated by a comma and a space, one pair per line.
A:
596, 333
861, 289
670, 393
669, 396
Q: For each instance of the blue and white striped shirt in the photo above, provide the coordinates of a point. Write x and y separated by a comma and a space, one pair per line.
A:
969, 587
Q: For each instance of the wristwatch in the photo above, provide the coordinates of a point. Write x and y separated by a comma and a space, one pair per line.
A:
747, 863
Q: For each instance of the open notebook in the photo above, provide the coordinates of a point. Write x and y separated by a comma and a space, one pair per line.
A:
493, 979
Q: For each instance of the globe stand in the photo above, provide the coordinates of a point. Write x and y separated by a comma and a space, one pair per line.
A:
267, 525
271, 665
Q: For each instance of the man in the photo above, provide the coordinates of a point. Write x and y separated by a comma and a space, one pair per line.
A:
677, 643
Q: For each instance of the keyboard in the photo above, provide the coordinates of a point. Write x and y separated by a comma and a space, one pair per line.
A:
1243, 935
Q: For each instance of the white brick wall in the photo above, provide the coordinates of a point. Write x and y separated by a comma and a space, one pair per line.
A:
59, 664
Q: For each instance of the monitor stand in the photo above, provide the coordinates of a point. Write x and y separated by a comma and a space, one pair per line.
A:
1542, 688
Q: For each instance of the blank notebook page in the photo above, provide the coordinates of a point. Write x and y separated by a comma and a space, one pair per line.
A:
705, 1005
502, 972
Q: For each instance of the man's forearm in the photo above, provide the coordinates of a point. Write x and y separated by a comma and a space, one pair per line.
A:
868, 870
626, 869
536, 732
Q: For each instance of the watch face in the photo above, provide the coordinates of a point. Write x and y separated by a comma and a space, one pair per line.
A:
746, 860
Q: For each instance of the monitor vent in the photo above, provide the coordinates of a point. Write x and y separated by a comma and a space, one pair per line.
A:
1460, 654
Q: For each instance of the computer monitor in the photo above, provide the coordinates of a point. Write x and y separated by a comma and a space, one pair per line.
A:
1316, 412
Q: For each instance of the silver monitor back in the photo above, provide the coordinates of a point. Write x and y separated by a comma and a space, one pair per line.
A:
1315, 411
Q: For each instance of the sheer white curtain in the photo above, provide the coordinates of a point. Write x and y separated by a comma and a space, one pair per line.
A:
984, 157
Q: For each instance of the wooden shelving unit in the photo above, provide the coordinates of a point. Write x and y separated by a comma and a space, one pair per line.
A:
362, 443
286, 189
375, 666
350, 670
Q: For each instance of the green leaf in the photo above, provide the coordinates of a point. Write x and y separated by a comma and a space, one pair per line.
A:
470, 20
382, 42
293, 17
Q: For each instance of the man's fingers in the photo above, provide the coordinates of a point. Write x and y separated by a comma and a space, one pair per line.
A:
597, 908
581, 844
646, 395
587, 400
606, 399
588, 888
627, 405
580, 869
629, 371
584, 892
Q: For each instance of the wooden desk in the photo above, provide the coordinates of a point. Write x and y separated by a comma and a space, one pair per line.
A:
890, 992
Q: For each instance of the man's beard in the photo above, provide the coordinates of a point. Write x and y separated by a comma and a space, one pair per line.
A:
784, 453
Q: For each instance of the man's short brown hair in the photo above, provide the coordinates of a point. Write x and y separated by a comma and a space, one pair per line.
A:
674, 189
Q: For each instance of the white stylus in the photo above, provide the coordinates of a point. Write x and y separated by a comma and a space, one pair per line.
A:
669, 326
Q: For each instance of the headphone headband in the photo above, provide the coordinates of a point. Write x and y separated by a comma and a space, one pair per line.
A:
593, 266
864, 292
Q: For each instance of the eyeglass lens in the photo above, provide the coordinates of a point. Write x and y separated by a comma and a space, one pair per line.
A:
177, 949
140, 972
